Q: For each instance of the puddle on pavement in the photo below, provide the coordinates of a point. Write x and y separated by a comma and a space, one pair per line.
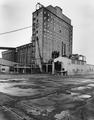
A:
81, 97
20, 92
69, 106
13, 80
80, 88
62, 115
91, 85
16, 79
73, 93
84, 96
15, 91
87, 81
18, 87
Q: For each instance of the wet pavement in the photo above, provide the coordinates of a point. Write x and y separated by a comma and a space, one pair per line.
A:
47, 97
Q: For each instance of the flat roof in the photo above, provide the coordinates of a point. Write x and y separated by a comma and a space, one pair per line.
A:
7, 63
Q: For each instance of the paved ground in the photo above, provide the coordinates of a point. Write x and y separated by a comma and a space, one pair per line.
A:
46, 97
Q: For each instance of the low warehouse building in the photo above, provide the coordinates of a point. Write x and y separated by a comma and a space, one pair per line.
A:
21, 55
7, 66
66, 66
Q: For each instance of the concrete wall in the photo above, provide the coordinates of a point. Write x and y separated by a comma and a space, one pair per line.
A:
6, 62
24, 54
56, 32
37, 36
74, 69
9, 55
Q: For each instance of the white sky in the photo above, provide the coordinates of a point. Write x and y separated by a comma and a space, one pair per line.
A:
15, 14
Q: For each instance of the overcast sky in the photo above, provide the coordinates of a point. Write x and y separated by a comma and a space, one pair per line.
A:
15, 14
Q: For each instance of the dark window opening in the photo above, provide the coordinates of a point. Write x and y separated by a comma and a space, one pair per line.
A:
3, 69
60, 31
58, 66
33, 29
33, 24
63, 49
55, 54
37, 31
37, 38
37, 13
34, 19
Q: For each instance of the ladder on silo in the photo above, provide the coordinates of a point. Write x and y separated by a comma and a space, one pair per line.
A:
41, 59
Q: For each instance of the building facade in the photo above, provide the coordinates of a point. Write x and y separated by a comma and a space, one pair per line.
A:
51, 37
7, 66
24, 54
21, 54
51, 32
9, 55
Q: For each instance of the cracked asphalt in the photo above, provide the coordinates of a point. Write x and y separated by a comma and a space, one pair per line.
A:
46, 97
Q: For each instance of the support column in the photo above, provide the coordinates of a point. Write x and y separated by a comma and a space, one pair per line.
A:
46, 68
31, 69
25, 69
62, 66
53, 68
17, 68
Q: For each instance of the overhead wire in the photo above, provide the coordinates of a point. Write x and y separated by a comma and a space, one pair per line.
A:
15, 30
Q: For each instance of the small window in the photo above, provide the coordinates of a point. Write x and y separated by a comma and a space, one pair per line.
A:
37, 38
44, 12
44, 23
37, 25
51, 21
60, 31
40, 12
37, 31
51, 16
33, 24
37, 13
34, 18
48, 25
44, 18
33, 28
33, 44
48, 19
3, 69
37, 20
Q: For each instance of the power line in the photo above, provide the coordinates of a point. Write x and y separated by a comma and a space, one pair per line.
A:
15, 30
